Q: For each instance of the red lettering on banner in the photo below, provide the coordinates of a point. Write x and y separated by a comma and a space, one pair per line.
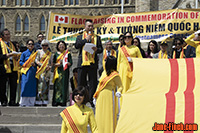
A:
189, 95
120, 20
144, 18
128, 19
170, 97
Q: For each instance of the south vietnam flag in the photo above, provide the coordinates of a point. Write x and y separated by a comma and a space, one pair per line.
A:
164, 95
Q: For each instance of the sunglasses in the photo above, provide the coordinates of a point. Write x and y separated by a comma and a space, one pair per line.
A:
40, 36
30, 44
80, 94
127, 37
44, 45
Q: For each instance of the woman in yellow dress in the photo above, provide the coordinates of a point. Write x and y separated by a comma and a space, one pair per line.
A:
78, 116
106, 102
124, 61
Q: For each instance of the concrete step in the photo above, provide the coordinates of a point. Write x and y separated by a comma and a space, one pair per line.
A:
31, 110
31, 119
30, 128
30, 115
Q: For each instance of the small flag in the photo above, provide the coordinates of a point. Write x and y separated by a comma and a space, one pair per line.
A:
65, 60
61, 19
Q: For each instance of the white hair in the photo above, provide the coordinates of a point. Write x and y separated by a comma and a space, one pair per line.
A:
45, 42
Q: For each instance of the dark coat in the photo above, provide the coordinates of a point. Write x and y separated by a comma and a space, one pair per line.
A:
79, 45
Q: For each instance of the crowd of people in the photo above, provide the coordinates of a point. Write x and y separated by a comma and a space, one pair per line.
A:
28, 69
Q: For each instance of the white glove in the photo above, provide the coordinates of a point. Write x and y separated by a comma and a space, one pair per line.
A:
129, 59
197, 32
118, 94
94, 101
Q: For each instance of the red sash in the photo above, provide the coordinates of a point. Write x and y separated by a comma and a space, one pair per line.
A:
71, 121
124, 50
104, 82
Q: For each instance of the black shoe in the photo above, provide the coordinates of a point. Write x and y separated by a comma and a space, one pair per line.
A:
54, 104
63, 104
38, 105
4, 104
12, 103
45, 105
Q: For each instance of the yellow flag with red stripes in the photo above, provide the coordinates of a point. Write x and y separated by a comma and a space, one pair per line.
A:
164, 96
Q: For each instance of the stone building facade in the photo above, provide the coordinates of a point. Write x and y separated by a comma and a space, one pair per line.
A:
26, 18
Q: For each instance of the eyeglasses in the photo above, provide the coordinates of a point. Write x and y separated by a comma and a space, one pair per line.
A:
80, 94
30, 44
127, 37
40, 36
44, 45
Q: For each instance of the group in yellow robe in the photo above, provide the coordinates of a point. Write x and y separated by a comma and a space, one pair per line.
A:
106, 102
123, 65
76, 119
195, 44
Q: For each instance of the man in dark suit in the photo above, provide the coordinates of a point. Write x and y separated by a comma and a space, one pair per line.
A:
8, 69
88, 63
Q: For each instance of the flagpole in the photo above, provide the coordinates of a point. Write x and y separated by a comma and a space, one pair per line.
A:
196, 4
122, 6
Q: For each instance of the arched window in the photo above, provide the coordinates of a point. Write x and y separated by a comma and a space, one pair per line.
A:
18, 24
42, 23
90, 2
66, 2
52, 2
126, 2
76, 2
101, 1
3, 2
46, 2
26, 24
2, 26
17, 2
115, 2
27, 2
22, 2
71, 2
41, 2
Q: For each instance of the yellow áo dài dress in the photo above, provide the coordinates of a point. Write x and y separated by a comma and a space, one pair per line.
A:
76, 119
124, 67
106, 102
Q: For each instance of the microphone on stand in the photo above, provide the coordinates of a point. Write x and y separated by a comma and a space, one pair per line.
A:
89, 33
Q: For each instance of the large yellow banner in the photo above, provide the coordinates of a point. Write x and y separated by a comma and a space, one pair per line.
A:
156, 25
163, 97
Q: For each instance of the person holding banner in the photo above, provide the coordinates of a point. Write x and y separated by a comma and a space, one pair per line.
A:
177, 51
61, 75
152, 49
28, 80
106, 102
43, 61
162, 54
88, 62
124, 61
195, 43
8, 68
78, 116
